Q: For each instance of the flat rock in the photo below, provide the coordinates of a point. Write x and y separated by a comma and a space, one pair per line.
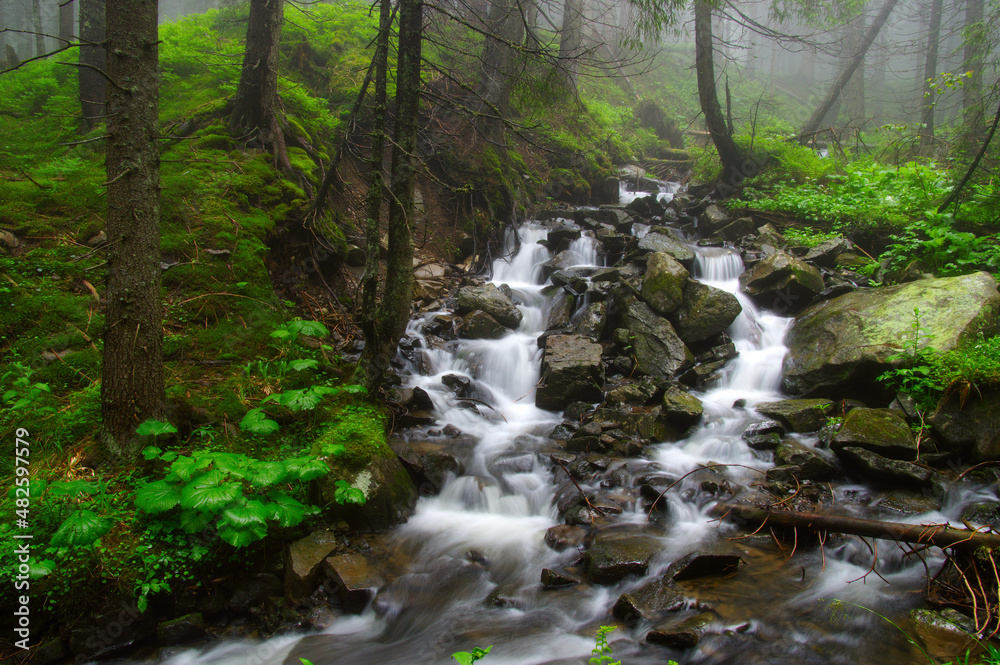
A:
885, 470
812, 464
491, 300
614, 555
647, 603
681, 632
555, 579
782, 283
357, 578
659, 242
681, 408
882, 431
302, 563
799, 415
702, 564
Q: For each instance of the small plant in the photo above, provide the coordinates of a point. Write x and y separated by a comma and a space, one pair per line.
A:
469, 657
602, 650
916, 376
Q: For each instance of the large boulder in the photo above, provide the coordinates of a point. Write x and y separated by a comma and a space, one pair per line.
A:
390, 494
480, 325
847, 341
809, 463
663, 284
571, 372
614, 555
657, 348
705, 312
491, 300
973, 426
660, 242
892, 472
782, 282
882, 431
302, 563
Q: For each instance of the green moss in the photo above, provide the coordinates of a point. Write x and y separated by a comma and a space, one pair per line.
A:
360, 428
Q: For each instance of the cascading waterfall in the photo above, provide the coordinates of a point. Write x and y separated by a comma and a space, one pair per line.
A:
481, 537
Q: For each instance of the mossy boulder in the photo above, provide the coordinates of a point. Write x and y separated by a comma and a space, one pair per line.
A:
810, 464
491, 300
661, 242
845, 342
880, 469
883, 431
972, 426
799, 415
782, 282
705, 312
681, 408
663, 284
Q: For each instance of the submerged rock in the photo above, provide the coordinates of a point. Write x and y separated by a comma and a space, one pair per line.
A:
681, 632
702, 564
847, 341
646, 603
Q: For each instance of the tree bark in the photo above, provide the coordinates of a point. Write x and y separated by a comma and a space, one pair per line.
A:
939, 536
972, 91
736, 166
394, 310
504, 27
848, 70
930, 73
132, 371
66, 21
93, 86
854, 91
257, 93
376, 185
570, 42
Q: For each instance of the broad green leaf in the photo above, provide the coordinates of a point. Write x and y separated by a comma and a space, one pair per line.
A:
155, 428
242, 537
347, 493
80, 529
231, 463
71, 489
243, 514
193, 521
307, 468
41, 568
151, 452
355, 389
285, 510
311, 328
262, 474
208, 496
256, 422
185, 467
35, 489
142, 603
296, 400
303, 363
157, 497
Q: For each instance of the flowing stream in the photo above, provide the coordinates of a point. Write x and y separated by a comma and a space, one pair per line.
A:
464, 570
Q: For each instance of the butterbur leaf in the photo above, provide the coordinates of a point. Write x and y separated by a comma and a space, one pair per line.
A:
311, 328
303, 363
193, 521
355, 389
231, 463
151, 452
285, 510
157, 497
142, 603
71, 489
243, 514
39, 569
208, 496
35, 489
80, 529
347, 493
155, 428
256, 422
307, 468
185, 467
262, 474
242, 537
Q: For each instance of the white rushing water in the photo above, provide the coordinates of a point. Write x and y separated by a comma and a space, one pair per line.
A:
484, 532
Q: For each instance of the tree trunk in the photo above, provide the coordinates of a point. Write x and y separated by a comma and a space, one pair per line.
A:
504, 27
854, 91
939, 536
847, 71
93, 86
257, 93
132, 371
930, 74
3, 39
376, 185
36, 15
66, 22
570, 42
735, 165
972, 91
394, 310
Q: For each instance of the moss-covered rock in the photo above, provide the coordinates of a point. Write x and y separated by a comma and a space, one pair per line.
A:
883, 431
782, 282
705, 312
847, 341
799, 415
663, 284
657, 348
614, 555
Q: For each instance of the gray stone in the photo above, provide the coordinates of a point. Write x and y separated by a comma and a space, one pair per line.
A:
614, 555
302, 563
713, 220
656, 346
847, 341
357, 579
799, 415
681, 408
634, 393
681, 632
705, 312
182, 629
571, 371
825, 254
491, 300
738, 228
882, 469
813, 464
702, 564
658, 242
664, 282
898, 502
972, 427
782, 283
646, 603
882, 431
480, 325
592, 320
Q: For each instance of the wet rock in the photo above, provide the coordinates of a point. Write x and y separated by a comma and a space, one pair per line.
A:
656, 346
564, 260
592, 320
812, 464
885, 470
561, 311
491, 300
643, 422
799, 415
763, 436
645, 206
944, 633
659, 242
663, 283
182, 629
357, 579
252, 591
389, 493
559, 238
562, 537
480, 325
681, 408
881, 431
985, 514
844, 343
555, 579
738, 228
647, 603
513, 463
898, 503
428, 290
571, 370
702, 564
652, 487
112, 630
782, 283
703, 375
825, 254
616, 554
705, 312
611, 240
302, 563
506, 596
681, 632
637, 393
713, 220
973, 427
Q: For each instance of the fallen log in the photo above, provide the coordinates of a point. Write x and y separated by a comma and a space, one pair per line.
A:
938, 535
